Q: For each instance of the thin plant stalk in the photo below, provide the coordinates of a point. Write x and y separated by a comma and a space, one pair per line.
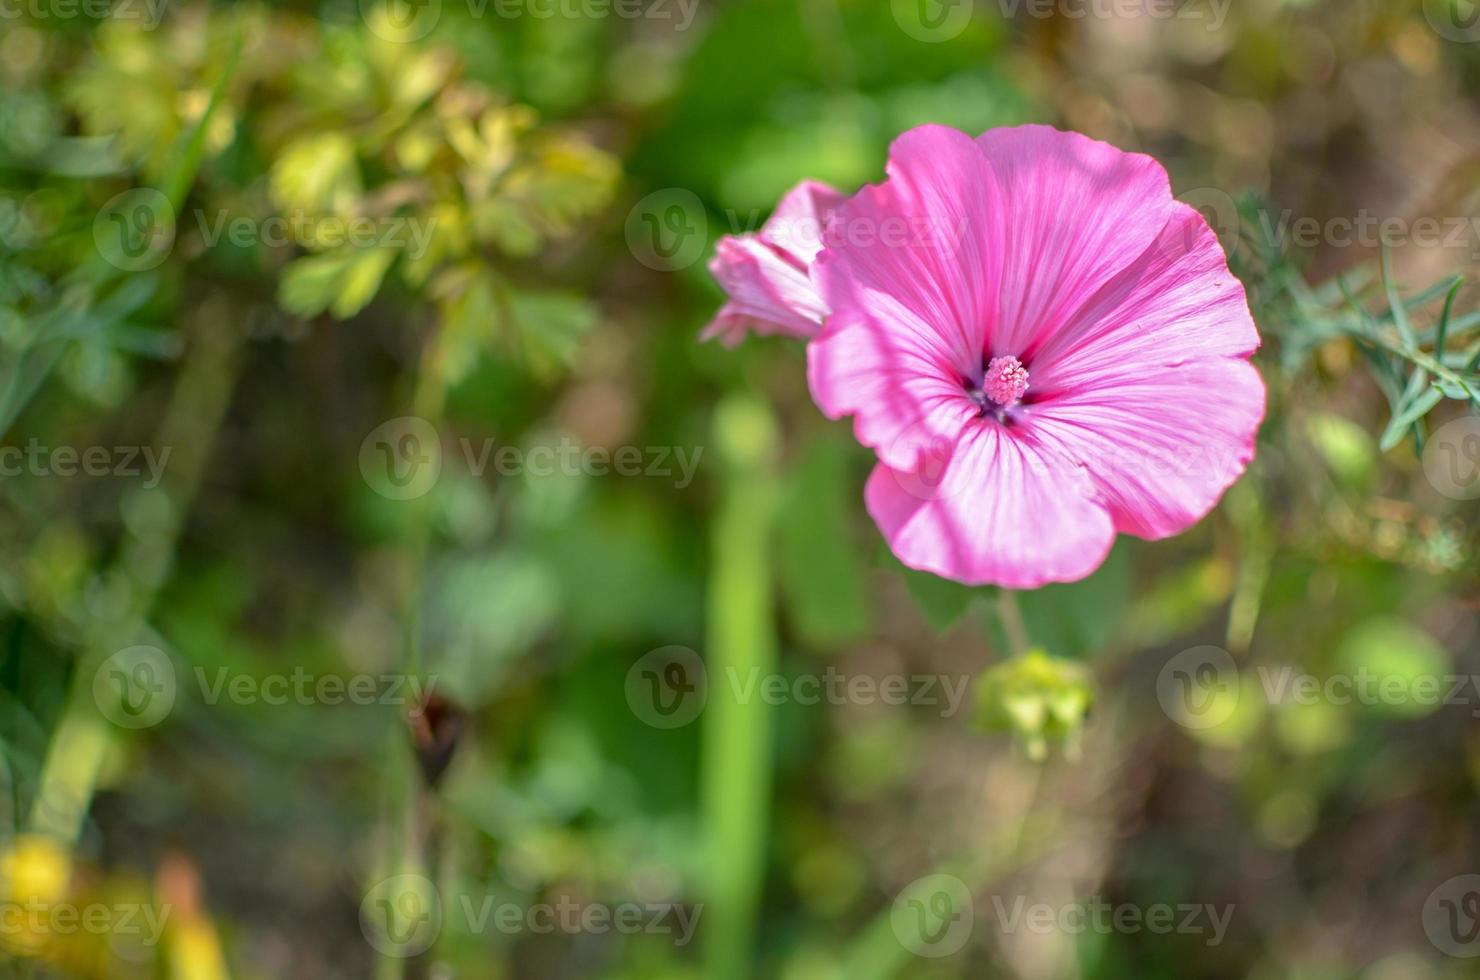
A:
738, 734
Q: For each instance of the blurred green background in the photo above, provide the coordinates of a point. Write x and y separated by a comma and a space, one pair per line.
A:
241, 245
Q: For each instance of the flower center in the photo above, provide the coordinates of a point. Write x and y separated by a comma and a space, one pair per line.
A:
1005, 382
1002, 387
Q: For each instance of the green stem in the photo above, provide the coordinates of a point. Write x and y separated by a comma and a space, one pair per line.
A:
79, 746
1012, 622
741, 643
410, 805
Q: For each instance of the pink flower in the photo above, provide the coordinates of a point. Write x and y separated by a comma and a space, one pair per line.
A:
767, 275
1051, 351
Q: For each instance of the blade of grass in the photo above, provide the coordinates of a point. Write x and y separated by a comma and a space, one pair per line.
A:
1415, 408
1395, 303
741, 641
1441, 335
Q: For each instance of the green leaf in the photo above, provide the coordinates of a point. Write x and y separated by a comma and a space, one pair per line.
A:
941, 601
470, 320
482, 611
185, 162
1079, 619
316, 174
341, 281
551, 326
824, 587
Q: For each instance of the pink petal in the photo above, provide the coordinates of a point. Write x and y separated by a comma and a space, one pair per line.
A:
909, 280
800, 219
1077, 213
770, 292
767, 274
1160, 445
1177, 302
1002, 511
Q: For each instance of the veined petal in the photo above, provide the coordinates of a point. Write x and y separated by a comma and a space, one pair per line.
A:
920, 239
767, 275
908, 280
770, 292
1002, 511
798, 224
1160, 447
1176, 303
1077, 213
